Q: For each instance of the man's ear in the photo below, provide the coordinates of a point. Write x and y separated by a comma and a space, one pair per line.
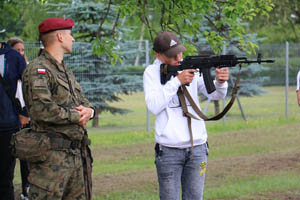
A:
157, 55
59, 36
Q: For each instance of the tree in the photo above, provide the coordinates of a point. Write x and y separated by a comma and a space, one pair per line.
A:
101, 76
282, 25
21, 18
184, 17
202, 23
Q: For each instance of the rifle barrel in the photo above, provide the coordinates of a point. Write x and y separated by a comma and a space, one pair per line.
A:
256, 61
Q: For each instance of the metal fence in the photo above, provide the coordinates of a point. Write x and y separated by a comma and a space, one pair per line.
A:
135, 53
283, 54
282, 72
138, 53
83, 62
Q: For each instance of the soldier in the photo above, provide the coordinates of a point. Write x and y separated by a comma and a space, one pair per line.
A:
57, 108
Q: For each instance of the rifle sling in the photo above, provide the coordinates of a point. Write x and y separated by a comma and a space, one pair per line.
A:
87, 160
182, 91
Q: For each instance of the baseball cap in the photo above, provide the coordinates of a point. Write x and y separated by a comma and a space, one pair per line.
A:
53, 24
168, 44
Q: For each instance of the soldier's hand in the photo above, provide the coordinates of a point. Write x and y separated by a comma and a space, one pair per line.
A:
85, 115
23, 120
222, 74
186, 76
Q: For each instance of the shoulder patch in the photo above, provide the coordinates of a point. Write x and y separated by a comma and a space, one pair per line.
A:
41, 71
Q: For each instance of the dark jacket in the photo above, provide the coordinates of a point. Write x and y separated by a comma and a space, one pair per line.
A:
14, 65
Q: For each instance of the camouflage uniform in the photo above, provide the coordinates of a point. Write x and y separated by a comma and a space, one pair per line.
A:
51, 94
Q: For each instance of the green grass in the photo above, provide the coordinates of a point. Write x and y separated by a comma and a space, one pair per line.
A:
119, 138
131, 164
132, 194
266, 109
123, 150
252, 185
232, 138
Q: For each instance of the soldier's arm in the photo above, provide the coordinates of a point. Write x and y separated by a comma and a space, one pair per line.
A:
42, 107
83, 101
86, 114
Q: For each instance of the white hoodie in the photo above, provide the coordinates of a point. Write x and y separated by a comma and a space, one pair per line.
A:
171, 127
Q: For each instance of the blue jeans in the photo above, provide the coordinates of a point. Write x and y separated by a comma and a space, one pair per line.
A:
178, 168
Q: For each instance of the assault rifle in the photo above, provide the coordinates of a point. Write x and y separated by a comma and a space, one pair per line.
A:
204, 63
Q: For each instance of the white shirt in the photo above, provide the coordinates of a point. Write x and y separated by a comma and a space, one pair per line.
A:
298, 81
171, 127
19, 93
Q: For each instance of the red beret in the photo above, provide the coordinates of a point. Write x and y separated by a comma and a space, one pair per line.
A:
53, 24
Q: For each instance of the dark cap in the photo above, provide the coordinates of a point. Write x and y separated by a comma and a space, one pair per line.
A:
168, 44
53, 24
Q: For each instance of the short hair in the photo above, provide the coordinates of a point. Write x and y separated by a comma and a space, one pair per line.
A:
48, 38
13, 41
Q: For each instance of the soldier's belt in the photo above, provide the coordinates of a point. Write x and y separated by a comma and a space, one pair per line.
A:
59, 142
32, 146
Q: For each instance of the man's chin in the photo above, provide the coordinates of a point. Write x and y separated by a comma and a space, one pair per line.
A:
68, 51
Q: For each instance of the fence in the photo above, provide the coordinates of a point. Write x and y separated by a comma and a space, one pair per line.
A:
137, 53
86, 65
276, 71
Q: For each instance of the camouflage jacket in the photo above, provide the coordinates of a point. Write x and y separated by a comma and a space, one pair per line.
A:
51, 94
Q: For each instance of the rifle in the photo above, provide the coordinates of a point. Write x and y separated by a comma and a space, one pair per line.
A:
204, 63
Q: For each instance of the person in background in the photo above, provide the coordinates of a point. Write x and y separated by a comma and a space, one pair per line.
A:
12, 65
180, 165
298, 88
18, 45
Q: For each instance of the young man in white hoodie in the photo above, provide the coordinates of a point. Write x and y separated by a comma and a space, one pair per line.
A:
178, 164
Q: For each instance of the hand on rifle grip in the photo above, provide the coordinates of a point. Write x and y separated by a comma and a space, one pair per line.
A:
186, 76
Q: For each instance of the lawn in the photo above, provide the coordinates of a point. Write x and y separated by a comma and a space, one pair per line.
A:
254, 159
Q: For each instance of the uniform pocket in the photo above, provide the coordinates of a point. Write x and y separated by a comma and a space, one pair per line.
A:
30, 146
50, 175
63, 82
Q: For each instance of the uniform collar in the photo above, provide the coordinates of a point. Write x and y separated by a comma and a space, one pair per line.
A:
60, 67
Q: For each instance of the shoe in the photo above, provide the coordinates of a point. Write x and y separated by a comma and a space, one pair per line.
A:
23, 197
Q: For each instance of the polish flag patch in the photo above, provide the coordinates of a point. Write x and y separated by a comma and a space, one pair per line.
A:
41, 71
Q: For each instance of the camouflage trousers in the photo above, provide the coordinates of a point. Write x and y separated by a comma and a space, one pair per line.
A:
59, 177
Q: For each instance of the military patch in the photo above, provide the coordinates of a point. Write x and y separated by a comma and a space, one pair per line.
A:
202, 168
41, 71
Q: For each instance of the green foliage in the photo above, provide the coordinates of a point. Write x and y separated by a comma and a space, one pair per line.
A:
97, 64
21, 18
185, 17
101, 82
283, 23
